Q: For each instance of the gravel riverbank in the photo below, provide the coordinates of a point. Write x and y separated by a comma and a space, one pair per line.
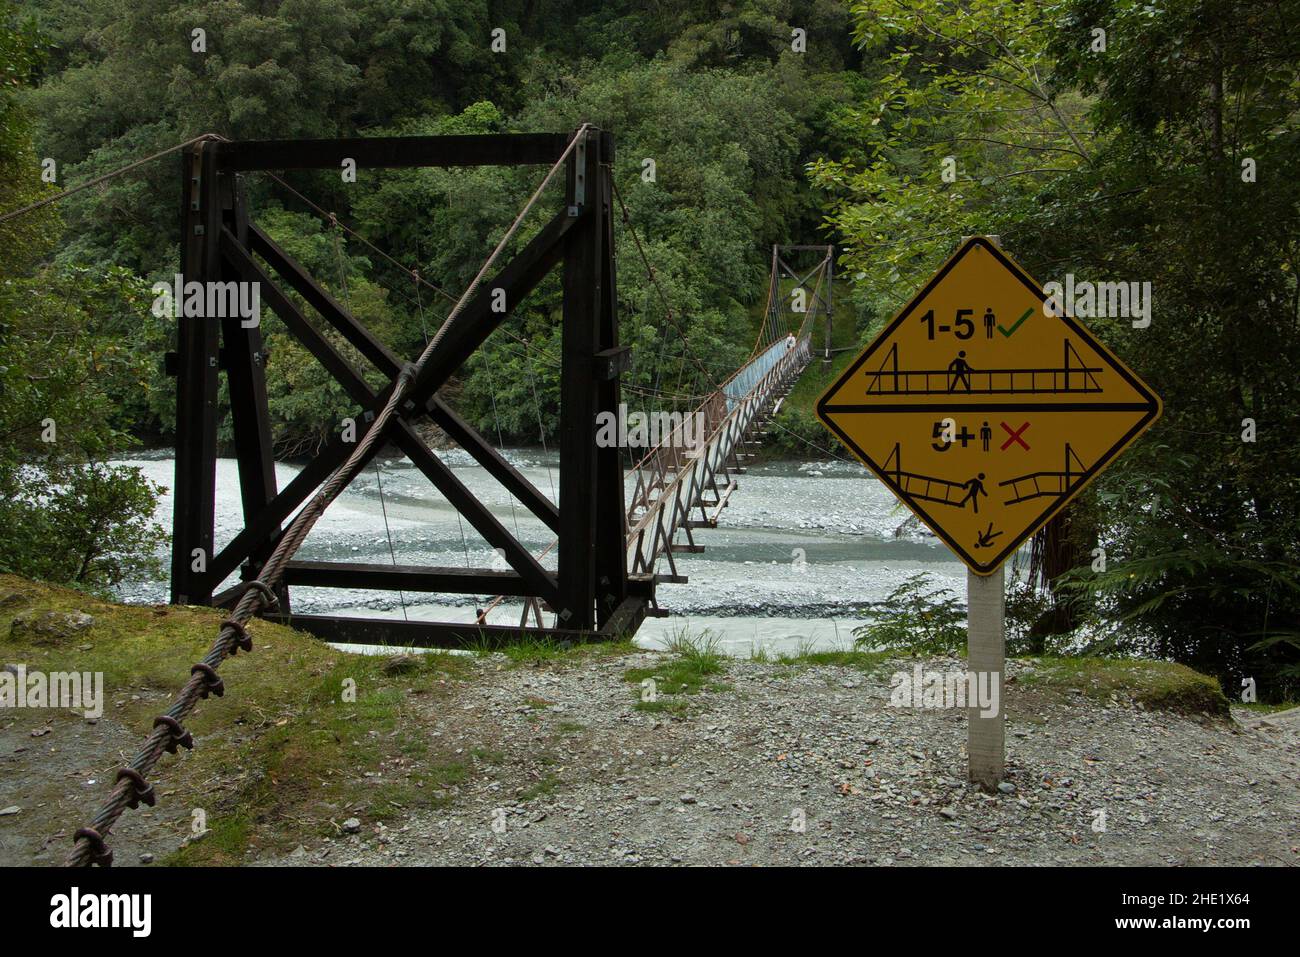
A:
793, 764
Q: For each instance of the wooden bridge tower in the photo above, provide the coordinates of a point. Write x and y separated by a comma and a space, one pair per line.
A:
590, 590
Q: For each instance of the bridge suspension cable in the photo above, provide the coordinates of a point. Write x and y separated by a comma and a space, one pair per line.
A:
121, 170
333, 220
654, 280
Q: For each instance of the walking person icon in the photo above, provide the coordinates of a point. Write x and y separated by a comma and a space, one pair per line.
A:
974, 489
959, 369
989, 323
986, 435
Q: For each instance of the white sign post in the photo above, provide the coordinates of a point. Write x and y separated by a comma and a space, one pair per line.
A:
986, 660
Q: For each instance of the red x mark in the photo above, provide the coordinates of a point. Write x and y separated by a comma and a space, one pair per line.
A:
1015, 436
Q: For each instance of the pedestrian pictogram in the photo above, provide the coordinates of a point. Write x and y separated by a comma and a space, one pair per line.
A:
984, 411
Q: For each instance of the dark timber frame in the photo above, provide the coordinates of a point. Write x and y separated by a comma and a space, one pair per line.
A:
589, 592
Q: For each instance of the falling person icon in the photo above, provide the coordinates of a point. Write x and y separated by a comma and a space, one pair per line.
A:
986, 537
959, 370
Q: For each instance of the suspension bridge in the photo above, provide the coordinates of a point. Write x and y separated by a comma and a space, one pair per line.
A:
618, 522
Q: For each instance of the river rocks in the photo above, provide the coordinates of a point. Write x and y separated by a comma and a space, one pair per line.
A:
50, 627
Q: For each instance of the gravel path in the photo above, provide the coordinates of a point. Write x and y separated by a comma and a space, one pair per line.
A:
812, 765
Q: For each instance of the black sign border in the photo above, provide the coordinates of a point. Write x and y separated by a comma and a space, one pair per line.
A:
1152, 405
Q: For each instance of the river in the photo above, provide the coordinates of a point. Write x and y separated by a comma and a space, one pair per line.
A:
799, 558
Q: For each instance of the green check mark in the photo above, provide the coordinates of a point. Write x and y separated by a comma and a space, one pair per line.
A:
1016, 325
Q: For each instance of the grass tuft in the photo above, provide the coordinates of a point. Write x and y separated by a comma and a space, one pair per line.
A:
695, 661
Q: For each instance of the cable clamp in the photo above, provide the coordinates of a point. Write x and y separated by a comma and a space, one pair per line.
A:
179, 736
99, 852
243, 641
143, 790
265, 590
212, 683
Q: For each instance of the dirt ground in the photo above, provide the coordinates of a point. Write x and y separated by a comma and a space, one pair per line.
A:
558, 762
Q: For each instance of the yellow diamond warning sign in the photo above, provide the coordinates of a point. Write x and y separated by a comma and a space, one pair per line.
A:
984, 411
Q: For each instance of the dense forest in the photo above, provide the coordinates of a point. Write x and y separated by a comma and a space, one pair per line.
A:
1113, 139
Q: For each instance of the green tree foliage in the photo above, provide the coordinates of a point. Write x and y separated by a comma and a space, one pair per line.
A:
1125, 163
1185, 96
959, 137
71, 380
25, 239
68, 382
715, 96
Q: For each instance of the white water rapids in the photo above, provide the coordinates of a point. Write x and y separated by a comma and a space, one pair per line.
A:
799, 558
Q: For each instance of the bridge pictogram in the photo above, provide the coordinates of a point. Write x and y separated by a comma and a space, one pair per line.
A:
1040, 484
959, 378
930, 488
